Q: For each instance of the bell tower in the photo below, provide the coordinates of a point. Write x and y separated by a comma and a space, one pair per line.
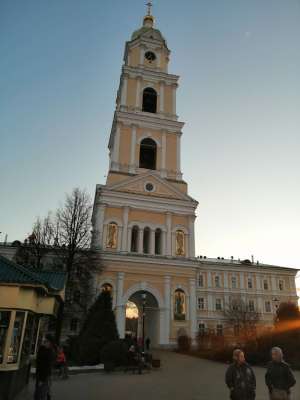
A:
144, 207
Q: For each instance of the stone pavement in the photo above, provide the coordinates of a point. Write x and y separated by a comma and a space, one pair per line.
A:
180, 378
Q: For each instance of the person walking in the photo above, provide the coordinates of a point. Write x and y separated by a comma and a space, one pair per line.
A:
240, 378
44, 362
148, 342
279, 377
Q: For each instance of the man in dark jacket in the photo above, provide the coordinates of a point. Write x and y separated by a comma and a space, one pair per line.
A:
240, 378
44, 363
279, 377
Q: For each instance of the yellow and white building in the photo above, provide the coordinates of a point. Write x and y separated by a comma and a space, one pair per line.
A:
143, 217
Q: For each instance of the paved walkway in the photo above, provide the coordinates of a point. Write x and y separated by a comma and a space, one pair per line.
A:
180, 378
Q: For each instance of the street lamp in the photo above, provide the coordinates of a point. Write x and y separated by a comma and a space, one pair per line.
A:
144, 296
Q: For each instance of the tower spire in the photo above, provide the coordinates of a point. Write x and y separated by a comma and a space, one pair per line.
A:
148, 18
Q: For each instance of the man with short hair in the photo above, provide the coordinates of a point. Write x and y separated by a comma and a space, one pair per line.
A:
240, 378
279, 377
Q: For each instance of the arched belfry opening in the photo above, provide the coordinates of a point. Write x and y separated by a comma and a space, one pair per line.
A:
149, 100
148, 150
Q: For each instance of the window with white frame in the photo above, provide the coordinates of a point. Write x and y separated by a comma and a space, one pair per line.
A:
200, 303
200, 280
218, 304
268, 308
219, 330
266, 284
251, 305
281, 284
250, 283
233, 282
217, 281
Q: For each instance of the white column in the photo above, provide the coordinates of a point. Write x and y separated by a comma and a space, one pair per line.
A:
169, 233
129, 234
125, 225
210, 306
242, 280
158, 58
258, 282
209, 280
174, 87
138, 92
163, 154
116, 147
225, 280
161, 96
274, 283
98, 226
178, 151
186, 244
132, 149
152, 241
167, 315
121, 308
140, 243
192, 235
124, 91
193, 309
163, 243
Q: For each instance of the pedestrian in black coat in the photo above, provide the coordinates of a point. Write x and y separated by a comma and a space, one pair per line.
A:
240, 378
44, 362
279, 377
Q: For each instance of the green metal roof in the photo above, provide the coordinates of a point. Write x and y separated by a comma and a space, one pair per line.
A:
11, 272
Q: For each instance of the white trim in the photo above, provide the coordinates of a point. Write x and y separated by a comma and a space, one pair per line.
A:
143, 286
148, 136
124, 91
132, 166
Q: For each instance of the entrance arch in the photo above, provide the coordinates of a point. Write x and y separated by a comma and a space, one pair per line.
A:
155, 321
144, 301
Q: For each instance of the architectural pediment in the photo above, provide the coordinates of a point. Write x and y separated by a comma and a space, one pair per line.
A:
150, 184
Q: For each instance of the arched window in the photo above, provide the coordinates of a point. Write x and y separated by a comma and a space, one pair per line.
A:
149, 100
148, 154
134, 239
158, 237
179, 305
146, 241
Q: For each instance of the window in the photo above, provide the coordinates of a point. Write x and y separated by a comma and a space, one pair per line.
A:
281, 285
4, 324
200, 280
179, 305
217, 281
74, 324
266, 284
148, 154
251, 305
250, 283
146, 241
149, 100
28, 336
219, 330
218, 304
150, 56
234, 282
158, 237
201, 329
134, 239
14, 348
200, 303
268, 307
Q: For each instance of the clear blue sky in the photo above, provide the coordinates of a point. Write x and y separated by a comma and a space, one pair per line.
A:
239, 62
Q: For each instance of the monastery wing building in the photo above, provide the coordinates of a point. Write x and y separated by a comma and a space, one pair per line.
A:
143, 217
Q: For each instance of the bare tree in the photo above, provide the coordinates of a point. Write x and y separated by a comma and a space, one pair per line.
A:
38, 244
242, 317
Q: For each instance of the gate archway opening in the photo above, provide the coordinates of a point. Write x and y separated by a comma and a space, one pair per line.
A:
139, 301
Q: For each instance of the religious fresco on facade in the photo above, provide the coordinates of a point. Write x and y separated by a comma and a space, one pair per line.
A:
179, 305
112, 236
180, 247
